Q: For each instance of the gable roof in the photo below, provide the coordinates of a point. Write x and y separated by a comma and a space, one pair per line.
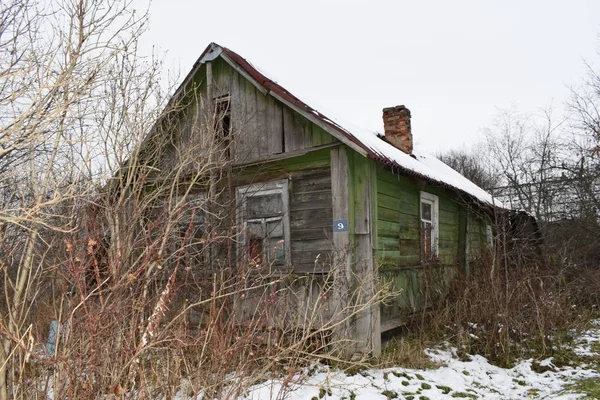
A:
365, 142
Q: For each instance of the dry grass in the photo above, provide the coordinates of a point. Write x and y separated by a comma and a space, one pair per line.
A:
408, 352
510, 312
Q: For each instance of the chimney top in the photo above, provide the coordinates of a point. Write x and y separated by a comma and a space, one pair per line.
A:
396, 124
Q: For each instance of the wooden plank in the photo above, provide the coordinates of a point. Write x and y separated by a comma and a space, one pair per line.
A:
244, 74
238, 116
207, 138
209, 81
321, 136
447, 217
449, 229
243, 134
384, 175
322, 244
312, 118
318, 181
311, 201
317, 139
221, 73
386, 214
407, 193
309, 197
251, 127
292, 160
274, 126
308, 137
293, 131
393, 203
311, 261
312, 233
388, 244
315, 163
390, 189
367, 322
362, 195
412, 221
389, 229
341, 243
403, 229
311, 219
262, 135
396, 259
376, 310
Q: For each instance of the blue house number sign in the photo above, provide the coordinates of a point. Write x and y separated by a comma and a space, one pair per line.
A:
341, 225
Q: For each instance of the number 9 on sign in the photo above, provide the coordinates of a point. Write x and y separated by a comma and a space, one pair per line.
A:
340, 225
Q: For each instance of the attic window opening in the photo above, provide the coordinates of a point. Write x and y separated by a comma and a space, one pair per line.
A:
223, 117
222, 125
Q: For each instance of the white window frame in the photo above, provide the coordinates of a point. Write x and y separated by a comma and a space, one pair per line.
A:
263, 189
432, 200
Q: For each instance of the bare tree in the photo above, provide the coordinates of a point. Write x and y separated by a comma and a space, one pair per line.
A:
118, 226
525, 151
56, 62
473, 166
583, 166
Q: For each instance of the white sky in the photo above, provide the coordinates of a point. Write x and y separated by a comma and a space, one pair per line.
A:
452, 63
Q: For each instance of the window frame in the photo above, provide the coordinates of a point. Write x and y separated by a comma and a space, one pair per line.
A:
223, 123
433, 201
280, 187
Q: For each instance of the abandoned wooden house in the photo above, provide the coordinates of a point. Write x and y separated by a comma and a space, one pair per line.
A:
311, 194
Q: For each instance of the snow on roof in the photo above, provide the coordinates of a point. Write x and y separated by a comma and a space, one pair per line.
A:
420, 163
366, 142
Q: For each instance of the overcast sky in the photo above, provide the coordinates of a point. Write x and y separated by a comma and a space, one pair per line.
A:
452, 63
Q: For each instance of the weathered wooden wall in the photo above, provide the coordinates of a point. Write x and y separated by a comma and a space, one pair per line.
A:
398, 247
261, 125
476, 235
310, 205
356, 281
264, 132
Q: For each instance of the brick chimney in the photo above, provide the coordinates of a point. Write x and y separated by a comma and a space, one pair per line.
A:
396, 123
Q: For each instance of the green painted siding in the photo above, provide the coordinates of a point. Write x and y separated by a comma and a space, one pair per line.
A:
414, 289
449, 230
397, 243
398, 222
476, 235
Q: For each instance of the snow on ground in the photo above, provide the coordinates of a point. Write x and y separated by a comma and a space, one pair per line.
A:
476, 379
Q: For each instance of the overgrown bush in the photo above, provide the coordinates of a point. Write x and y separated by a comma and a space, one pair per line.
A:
506, 311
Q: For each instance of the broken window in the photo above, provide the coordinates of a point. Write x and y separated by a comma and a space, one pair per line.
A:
429, 226
264, 221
